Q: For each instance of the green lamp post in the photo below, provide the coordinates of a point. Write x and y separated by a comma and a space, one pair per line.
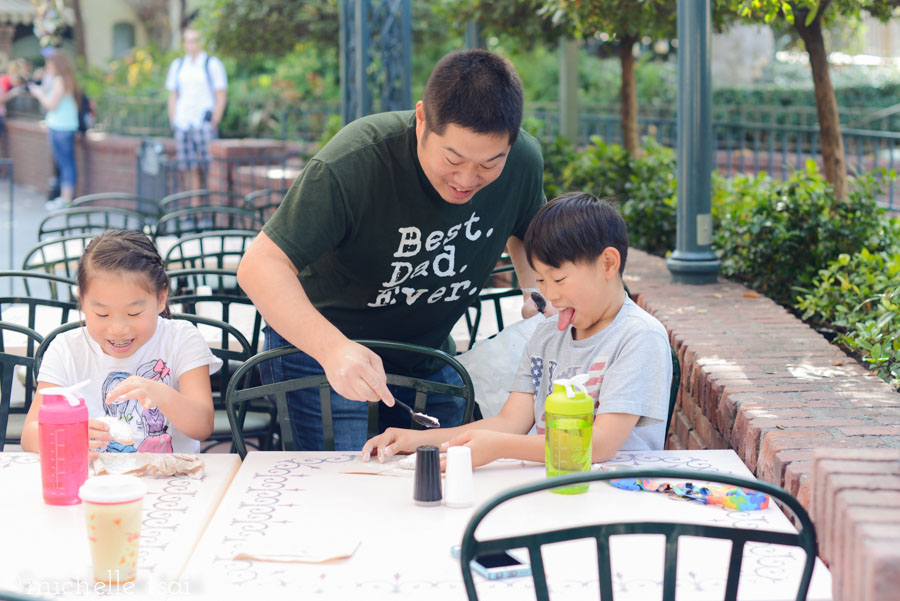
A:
693, 260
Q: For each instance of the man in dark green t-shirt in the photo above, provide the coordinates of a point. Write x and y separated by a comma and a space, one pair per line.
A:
389, 233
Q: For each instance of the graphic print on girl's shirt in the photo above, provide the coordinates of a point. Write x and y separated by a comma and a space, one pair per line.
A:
149, 426
595, 379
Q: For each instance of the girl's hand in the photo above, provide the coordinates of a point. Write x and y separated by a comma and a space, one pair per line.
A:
98, 434
146, 392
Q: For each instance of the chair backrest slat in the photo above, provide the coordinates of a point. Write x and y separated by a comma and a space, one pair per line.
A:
202, 197
147, 207
57, 256
604, 567
327, 419
221, 249
264, 202
537, 570
734, 569
284, 419
196, 220
671, 567
90, 220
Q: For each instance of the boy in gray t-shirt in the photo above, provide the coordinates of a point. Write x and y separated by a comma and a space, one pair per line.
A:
577, 246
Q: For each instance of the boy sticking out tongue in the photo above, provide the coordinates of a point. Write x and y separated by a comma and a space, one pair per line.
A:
577, 246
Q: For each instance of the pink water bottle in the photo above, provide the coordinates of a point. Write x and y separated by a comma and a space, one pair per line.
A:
63, 436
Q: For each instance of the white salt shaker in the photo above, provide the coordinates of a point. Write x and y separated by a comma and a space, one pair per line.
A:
458, 482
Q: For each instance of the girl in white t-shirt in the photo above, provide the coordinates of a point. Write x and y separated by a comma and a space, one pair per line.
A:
147, 371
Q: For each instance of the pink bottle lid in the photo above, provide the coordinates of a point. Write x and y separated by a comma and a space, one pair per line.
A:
57, 409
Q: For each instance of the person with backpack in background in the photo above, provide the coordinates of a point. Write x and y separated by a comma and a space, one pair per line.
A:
197, 86
61, 99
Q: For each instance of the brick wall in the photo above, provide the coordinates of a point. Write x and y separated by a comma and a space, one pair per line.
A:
105, 163
108, 163
798, 411
855, 503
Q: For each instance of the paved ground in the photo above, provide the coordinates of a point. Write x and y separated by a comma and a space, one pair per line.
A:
19, 227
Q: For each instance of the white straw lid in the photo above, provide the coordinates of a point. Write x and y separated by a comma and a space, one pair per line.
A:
68, 392
575, 382
112, 489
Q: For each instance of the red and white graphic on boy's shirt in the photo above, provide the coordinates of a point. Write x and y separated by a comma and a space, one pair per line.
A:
595, 379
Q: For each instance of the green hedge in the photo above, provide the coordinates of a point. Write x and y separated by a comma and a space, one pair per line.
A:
837, 264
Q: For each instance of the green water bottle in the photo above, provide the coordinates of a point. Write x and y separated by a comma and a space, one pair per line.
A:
569, 420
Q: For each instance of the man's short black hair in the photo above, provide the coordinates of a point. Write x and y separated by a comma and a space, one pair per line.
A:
575, 227
477, 90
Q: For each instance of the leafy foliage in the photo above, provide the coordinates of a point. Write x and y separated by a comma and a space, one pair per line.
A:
654, 18
269, 27
859, 295
776, 235
643, 187
520, 20
273, 28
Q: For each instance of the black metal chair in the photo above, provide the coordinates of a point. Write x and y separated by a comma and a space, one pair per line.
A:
264, 202
237, 395
673, 389
38, 302
221, 249
12, 419
24, 293
216, 291
200, 198
90, 220
147, 207
197, 220
493, 295
601, 532
58, 256
233, 349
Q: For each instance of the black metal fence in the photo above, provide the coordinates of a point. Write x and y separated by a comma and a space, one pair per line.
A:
759, 147
159, 176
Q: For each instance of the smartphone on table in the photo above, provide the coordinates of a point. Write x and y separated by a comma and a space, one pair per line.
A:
496, 566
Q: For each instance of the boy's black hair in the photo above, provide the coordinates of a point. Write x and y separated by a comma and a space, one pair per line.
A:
575, 227
477, 90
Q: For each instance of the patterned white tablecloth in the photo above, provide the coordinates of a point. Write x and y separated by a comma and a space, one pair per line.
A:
45, 548
404, 549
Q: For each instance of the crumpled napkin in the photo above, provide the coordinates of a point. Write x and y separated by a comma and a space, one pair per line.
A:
308, 548
149, 464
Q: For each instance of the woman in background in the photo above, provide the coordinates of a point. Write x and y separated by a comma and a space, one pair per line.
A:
61, 103
12, 83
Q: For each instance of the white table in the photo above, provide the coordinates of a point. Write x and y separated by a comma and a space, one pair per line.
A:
45, 547
404, 549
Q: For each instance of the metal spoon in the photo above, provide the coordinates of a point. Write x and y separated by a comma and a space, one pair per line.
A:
419, 418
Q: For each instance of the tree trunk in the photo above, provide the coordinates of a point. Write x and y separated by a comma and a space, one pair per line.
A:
80, 48
826, 103
629, 96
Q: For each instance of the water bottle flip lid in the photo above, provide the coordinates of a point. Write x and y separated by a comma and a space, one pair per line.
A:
570, 396
67, 392
61, 406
